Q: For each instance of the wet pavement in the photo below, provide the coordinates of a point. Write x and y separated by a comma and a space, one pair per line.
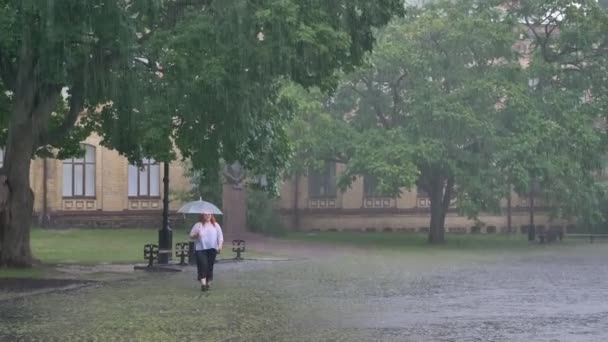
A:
550, 294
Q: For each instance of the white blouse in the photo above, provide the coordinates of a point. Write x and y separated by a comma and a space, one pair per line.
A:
209, 236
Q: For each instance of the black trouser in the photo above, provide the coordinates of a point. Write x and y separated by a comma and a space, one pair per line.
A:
205, 260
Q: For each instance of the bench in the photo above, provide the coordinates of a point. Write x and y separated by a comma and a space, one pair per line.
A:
590, 237
151, 253
552, 234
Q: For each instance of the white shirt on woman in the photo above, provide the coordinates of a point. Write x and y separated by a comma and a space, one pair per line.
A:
209, 236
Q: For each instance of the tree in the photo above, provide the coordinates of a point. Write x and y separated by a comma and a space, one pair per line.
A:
201, 76
426, 108
317, 136
445, 105
561, 117
45, 48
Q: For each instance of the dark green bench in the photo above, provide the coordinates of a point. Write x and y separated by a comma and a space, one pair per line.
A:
591, 237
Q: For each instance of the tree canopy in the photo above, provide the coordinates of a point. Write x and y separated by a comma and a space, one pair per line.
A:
222, 67
447, 104
200, 76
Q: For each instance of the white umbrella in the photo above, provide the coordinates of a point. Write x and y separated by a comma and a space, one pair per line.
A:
200, 207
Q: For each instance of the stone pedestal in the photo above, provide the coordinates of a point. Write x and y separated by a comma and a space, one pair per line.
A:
234, 207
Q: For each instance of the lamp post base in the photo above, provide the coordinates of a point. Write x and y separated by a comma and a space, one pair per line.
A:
165, 239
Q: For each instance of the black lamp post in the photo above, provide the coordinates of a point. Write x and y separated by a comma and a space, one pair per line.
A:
534, 190
165, 235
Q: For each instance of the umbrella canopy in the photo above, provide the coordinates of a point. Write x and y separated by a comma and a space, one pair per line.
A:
200, 207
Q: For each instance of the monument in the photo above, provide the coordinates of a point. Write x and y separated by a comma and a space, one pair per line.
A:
234, 201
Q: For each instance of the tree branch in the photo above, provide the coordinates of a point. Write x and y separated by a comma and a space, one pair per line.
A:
151, 64
7, 71
338, 159
548, 28
396, 97
447, 194
377, 110
76, 103
46, 99
175, 10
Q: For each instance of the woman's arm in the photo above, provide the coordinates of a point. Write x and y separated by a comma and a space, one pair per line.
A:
194, 233
220, 238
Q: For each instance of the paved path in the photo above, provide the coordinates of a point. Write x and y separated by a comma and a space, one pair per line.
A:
340, 294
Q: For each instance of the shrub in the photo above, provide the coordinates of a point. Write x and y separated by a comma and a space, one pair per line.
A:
261, 214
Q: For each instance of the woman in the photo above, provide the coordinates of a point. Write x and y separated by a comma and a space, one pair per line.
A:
209, 240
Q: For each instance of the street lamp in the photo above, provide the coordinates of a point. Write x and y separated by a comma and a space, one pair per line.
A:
533, 85
534, 190
165, 235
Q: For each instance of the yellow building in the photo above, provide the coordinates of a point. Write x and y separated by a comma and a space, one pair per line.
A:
102, 189
315, 203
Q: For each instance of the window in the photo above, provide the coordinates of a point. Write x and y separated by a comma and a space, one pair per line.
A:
323, 183
370, 187
420, 193
144, 181
79, 175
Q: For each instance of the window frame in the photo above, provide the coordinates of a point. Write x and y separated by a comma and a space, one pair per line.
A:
326, 177
367, 179
147, 164
72, 161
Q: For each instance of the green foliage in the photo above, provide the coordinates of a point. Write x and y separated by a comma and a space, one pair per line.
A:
433, 81
444, 104
150, 76
207, 186
556, 137
261, 214
314, 131
200, 76
49, 47
213, 88
416, 110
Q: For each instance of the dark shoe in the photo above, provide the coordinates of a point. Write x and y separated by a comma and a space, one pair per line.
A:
207, 287
204, 288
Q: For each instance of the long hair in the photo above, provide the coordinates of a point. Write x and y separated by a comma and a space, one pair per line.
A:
211, 219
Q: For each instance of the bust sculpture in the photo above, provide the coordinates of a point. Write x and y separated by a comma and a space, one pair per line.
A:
234, 174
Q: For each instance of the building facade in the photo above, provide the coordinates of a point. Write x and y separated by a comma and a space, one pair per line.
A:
102, 189
314, 203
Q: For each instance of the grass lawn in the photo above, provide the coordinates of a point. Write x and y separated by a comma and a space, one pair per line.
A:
84, 246
91, 246
37, 272
412, 241
95, 246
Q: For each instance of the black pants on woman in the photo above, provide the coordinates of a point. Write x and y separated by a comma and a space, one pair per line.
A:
205, 260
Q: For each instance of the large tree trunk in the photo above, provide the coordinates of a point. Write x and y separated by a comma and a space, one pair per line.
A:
35, 97
17, 205
28, 123
437, 229
440, 196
